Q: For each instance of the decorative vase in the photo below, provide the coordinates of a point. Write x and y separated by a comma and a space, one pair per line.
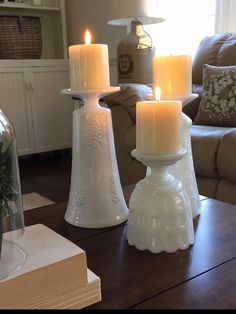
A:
11, 211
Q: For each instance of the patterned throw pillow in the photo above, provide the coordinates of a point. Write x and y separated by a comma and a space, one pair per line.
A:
218, 104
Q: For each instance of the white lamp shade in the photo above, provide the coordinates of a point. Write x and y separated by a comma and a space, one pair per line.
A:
123, 12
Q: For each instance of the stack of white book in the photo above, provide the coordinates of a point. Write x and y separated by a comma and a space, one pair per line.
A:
54, 275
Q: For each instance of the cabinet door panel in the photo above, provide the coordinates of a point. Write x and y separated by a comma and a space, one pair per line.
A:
14, 101
52, 112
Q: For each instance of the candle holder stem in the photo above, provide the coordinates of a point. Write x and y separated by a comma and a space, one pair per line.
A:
159, 216
96, 199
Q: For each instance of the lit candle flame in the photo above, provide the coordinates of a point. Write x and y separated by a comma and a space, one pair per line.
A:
158, 93
87, 37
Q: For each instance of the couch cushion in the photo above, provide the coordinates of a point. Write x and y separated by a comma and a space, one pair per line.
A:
213, 50
207, 186
205, 143
226, 156
226, 191
218, 103
227, 52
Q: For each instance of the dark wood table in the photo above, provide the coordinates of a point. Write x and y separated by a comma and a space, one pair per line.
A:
201, 277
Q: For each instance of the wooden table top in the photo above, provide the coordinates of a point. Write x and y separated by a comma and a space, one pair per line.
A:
201, 277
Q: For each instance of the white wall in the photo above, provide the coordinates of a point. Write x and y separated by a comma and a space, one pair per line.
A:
91, 14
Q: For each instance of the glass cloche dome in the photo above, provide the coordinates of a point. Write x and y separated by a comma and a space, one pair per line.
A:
12, 254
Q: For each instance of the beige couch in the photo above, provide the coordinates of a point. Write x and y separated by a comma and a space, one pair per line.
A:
214, 148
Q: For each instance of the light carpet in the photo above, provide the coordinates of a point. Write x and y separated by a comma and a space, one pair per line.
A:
35, 200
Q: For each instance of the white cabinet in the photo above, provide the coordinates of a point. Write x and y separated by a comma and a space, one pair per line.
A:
53, 24
30, 90
31, 97
52, 112
15, 101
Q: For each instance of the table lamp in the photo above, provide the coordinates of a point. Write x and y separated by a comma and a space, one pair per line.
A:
135, 51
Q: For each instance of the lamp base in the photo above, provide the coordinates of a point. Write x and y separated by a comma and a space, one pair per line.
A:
135, 54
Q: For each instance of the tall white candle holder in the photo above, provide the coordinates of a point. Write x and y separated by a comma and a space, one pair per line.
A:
96, 198
159, 216
184, 168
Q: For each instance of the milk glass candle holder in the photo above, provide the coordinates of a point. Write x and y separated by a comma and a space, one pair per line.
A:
159, 216
96, 198
184, 168
160, 219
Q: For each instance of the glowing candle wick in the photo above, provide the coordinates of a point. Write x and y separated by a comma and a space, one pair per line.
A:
158, 93
87, 37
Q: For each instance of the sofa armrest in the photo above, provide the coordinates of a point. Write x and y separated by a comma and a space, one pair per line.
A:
127, 97
191, 108
123, 110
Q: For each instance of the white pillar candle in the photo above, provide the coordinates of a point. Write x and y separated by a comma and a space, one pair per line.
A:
173, 74
89, 65
158, 127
